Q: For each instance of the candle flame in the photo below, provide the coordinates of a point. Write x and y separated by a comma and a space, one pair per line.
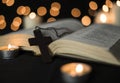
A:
12, 47
79, 68
9, 46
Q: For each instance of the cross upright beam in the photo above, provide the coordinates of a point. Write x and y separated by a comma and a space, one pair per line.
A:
42, 42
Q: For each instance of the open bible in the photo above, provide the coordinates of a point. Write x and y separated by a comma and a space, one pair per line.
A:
98, 42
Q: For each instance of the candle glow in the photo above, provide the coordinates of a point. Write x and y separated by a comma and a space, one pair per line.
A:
9, 46
9, 51
75, 72
32, 15
79, 68
12, 47
76, 69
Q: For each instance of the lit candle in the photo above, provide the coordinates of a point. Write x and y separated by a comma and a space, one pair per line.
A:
31, 20
12, 47
8, 52
75, 72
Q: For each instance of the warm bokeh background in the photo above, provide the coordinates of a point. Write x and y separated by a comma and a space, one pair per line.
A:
19, 14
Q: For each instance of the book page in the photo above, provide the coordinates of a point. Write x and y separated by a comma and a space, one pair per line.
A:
102, 35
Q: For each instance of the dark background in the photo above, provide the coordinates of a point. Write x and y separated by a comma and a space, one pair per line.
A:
27, 68
65, 12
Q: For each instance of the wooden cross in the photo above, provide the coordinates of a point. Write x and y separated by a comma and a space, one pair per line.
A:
43, 43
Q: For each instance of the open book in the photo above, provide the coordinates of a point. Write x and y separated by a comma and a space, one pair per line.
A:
98, 42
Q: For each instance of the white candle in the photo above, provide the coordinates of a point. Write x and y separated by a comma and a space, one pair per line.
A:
32, 20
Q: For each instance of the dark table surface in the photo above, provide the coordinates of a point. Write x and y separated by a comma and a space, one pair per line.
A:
29, 68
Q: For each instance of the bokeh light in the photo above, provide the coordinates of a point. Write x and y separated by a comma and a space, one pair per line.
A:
93, 5
54, 11
32, 15
10, 2
109, 3
103, 18
51, 19
41, 11
23, 10
27, 10
76, 12
56, 5
16, 23
105, 8
118, 3
2, 22
86, 21
14, 28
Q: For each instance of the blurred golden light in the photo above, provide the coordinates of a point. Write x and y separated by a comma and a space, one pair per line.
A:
93, 5
86, 21
41, 11
17, 21
27, 10
32, 15
109, 3
21, 10
54, 11
10, 2
79, 68
14, 28
51, 19
2, 22
75, 12
118, 3
105, 8
56, 5
54, 8
103, 18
